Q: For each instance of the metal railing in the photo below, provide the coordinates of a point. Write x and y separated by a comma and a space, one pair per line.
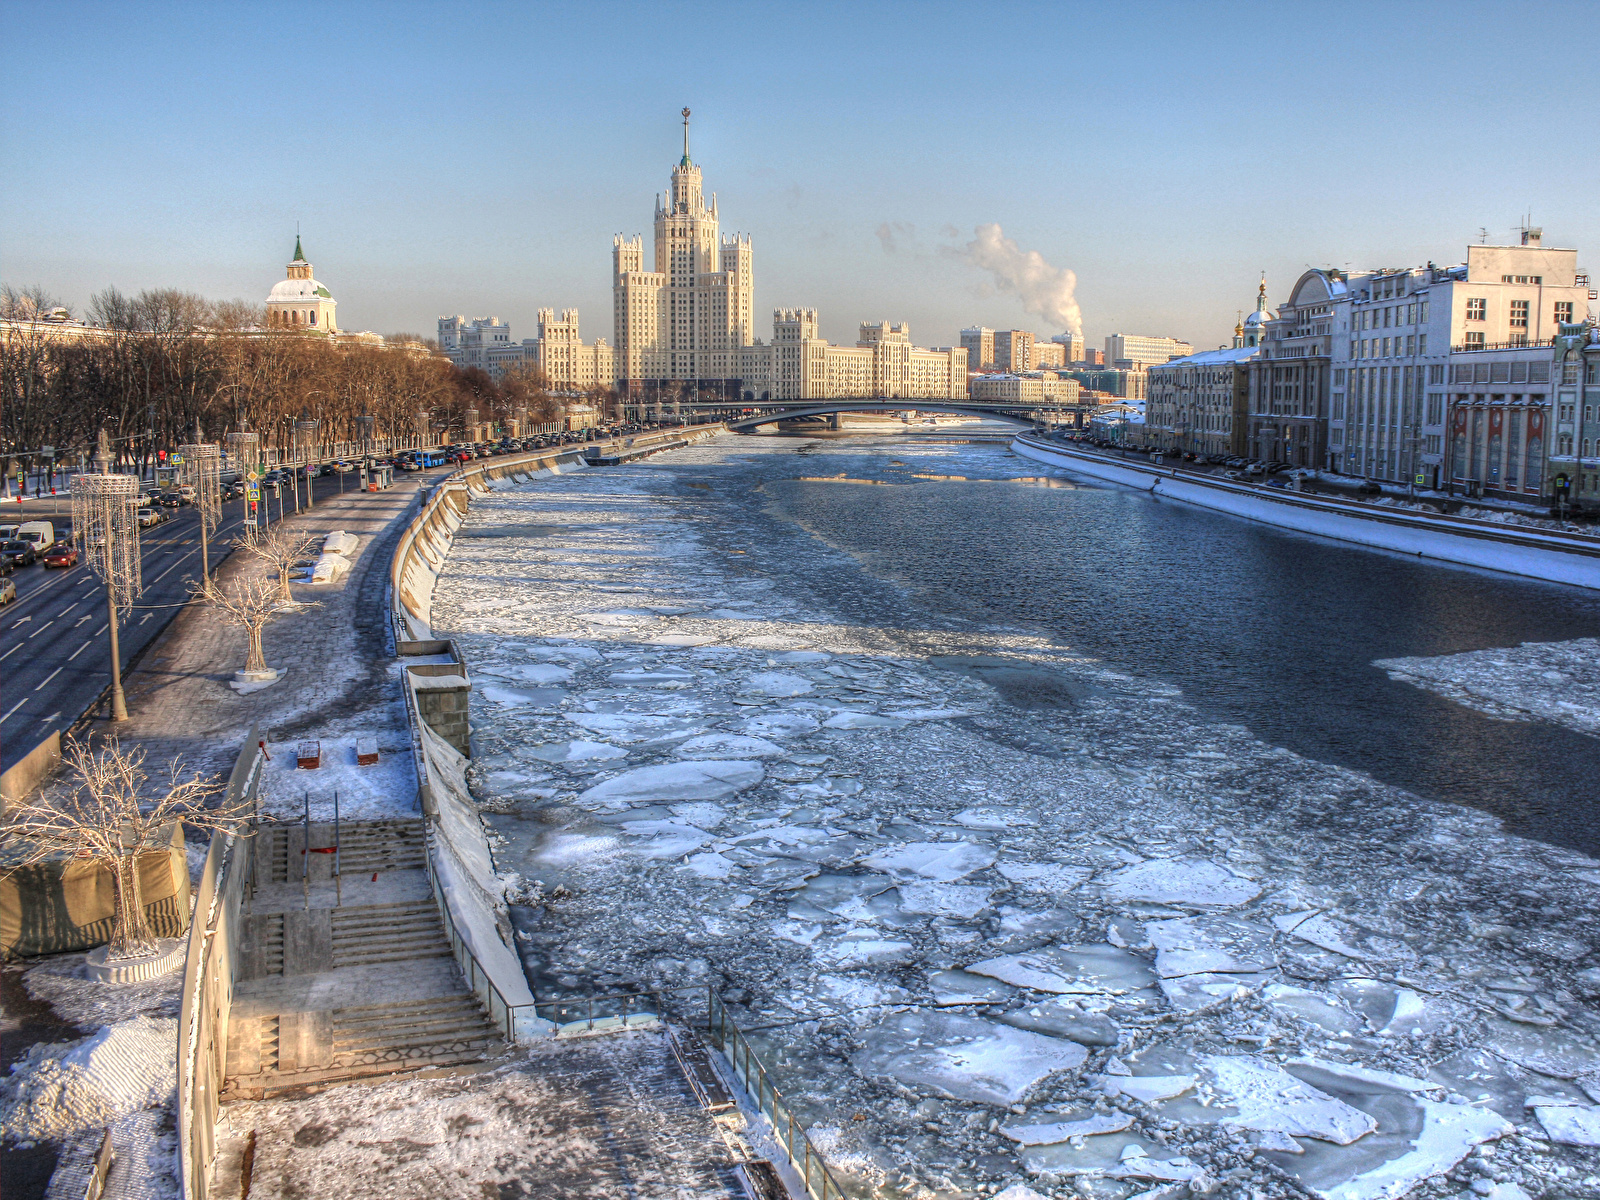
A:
752, 1075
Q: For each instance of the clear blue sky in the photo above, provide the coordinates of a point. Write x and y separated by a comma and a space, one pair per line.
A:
477, 158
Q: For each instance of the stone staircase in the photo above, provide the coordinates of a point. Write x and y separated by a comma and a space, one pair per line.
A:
315, 954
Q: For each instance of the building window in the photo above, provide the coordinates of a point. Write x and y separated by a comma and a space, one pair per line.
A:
1477, 309
1564, 312
1519, 314
1474, 339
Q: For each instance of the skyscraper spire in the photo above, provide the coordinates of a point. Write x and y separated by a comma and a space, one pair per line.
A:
686, 138
298, 256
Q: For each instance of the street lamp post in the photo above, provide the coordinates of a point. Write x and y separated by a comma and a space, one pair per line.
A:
201, 469
105, 521
244, 449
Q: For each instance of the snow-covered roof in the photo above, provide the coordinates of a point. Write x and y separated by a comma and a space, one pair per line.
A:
1212, 358
298, 289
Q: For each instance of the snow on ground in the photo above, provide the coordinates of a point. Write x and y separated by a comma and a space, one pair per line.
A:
1546, 681
388, 788
938, 913
123, 1076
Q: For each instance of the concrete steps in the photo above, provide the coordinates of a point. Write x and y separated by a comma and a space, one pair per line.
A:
377, 933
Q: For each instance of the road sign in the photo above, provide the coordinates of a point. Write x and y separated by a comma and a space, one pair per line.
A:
1420, 481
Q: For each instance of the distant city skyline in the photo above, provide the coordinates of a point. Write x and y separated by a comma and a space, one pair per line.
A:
906, 177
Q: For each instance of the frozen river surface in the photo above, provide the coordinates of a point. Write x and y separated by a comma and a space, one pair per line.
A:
946, 786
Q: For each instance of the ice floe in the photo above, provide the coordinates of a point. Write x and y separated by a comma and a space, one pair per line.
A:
962, 1057
1175, 881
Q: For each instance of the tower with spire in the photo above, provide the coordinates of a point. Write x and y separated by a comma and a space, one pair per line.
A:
687, 318
299, 302
1249, 331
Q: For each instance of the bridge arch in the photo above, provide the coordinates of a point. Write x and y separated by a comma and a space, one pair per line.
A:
826, 408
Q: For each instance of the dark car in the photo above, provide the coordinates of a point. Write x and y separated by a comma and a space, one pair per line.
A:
19, 553
171, 500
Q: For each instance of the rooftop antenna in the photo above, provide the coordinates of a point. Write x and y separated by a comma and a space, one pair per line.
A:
1483, 236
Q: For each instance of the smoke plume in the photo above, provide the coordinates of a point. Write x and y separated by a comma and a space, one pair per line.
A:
1044, 290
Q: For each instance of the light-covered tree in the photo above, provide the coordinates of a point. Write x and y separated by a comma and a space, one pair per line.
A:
250, 602
114, 813
280, 548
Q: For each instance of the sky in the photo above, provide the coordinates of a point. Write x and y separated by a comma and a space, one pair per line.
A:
944, 165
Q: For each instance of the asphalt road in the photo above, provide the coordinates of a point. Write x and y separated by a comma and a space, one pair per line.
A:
55, 650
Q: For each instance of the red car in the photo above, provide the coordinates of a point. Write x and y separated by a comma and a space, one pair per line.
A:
61, 555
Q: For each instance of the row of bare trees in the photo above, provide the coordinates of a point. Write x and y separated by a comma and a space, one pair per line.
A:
166, 367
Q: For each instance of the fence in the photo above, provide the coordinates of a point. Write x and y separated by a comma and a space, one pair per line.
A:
208, 976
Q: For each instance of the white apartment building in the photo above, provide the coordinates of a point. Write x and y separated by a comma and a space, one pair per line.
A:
689, 316
1405, 336
469, 343
1135, 352
1032, 387
883, 364
560, 353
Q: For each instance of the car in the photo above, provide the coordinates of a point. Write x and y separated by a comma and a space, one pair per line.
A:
171, 500
151, 517
8, 591
1368, 488
62, 554
19, 553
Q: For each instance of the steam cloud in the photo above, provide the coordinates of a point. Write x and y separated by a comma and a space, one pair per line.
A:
1044, 290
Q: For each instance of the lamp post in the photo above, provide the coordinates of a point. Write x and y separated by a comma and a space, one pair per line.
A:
106, 523
244, 448
201, 469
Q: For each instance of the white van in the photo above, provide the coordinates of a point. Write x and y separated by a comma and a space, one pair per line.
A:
41, 533
8, 532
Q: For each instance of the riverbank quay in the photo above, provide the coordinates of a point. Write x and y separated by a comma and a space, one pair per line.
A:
1555, 557
1082, 945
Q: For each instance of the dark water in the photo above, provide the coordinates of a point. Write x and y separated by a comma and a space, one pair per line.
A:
1273, 631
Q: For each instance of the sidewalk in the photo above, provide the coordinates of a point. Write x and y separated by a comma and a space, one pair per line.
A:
337, 684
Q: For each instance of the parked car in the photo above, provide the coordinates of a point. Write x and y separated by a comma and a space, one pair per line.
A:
1368, 488
62, 554
8, 591
19, 553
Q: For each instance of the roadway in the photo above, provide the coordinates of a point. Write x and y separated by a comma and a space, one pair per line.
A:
55, 647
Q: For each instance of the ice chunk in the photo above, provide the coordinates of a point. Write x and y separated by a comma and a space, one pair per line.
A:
714, 779
942, 862
1320, 1010
701, 813
992, 818
541, 673
576, 751
1018, 1191
963, 1057
858, 947
500, 693
779, 683
1045, 1135
943, 899
1353, 1078
1195, 993
662, 677
961, 987
1269, 1098
1441, 1136
780, 725
932, 714
843, 894
861, 720
667, 840
683, 640
1071, 970
1148, 1088
1549, 1051
728, 745
1049, 878
1182, 881
711, 866
1063, 1018
636, 727
1572, 1125
1211, 943
797, 931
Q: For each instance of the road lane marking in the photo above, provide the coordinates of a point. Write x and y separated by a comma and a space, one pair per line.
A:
20, 621
14, 708
40, 630
76, 652
50, 676
101, 630
82, 619
10, 652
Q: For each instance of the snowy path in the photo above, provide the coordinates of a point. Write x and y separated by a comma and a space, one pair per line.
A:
603, 1119
956, 914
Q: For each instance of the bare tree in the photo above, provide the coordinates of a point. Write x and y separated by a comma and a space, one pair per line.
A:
111, 817
251, 603
280, 549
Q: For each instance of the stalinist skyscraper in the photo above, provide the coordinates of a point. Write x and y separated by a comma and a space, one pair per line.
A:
687, 318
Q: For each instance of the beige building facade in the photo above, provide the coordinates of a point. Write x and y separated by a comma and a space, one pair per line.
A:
800, 364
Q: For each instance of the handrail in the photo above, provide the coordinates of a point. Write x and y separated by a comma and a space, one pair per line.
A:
208, 977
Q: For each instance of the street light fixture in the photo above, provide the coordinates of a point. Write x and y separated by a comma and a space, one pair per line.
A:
244, 447
201, 469
105, 521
